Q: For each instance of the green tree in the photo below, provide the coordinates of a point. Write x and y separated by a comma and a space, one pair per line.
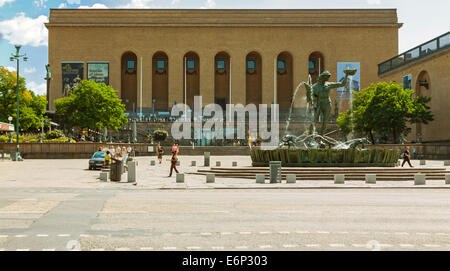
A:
385, 109
32, 107
92, 105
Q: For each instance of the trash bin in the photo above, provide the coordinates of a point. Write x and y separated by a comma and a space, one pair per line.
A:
275, 171
116, 170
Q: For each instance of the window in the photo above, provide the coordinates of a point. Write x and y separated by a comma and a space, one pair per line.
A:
311, 65
281, 65
251, 64
131, 64
160, 64
407, 81
220, 64
190, 64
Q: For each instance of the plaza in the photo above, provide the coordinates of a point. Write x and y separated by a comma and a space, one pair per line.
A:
64, 206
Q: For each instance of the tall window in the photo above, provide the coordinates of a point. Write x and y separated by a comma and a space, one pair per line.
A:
190, 64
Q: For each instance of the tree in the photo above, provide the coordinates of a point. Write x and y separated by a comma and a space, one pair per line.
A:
91, 105
32, 107
385, 109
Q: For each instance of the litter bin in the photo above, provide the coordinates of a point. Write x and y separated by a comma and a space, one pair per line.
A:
275, 171
116, 170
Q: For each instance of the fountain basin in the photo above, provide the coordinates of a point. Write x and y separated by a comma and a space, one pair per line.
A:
326, 157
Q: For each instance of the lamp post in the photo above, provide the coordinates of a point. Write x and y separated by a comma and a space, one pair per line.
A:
17, 57
47, 78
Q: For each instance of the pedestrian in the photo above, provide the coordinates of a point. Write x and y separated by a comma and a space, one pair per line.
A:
175, 147
107, 159
160, 153
407, 157
173, 163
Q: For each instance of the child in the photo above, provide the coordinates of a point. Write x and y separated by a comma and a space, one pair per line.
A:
107, 159
173, 164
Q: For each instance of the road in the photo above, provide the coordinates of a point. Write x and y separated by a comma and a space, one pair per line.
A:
66, 211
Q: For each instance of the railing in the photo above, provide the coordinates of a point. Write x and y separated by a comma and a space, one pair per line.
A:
430, 47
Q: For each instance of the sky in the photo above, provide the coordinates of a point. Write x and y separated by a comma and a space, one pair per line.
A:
22, 22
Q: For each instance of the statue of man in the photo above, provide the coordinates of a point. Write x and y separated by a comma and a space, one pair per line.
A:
318, 95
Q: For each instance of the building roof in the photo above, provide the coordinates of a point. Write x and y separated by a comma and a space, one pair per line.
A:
224, 17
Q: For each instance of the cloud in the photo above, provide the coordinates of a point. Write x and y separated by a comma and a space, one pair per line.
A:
138, 4
29, 70
209, 4
2, 2
373, 2
38, 89
62, 5
23, 30
40, 3
174, 2
96, 5
74, 2
11, 69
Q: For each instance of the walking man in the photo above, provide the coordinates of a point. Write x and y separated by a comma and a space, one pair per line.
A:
173, 163
407, 157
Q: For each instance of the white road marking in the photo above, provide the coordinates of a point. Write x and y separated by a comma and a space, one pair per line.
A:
48, 249
205, 233
146, 248
218, 248
337, 245
312, 245
169, 248
441, 233
323, 232
41, 235
265, 246
284, 232
226, 233
21, 236
290, 246
264, 232
406, 245
193, 247
64, 235
431, 245
3, 236
23, 249
422, 233
121, 249
2, 249
84, 235
245, 232
242, 247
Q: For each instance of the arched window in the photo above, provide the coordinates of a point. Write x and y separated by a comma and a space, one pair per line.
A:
222, 79
129, 81
284, 80
191, 78
253, 79
160, 81
316, 65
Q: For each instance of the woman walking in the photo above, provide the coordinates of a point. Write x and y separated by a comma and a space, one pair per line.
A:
160, 153
173, 163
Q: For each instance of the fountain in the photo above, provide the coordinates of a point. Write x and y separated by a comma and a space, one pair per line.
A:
317, 149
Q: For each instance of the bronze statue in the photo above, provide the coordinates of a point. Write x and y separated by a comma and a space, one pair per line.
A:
318, 97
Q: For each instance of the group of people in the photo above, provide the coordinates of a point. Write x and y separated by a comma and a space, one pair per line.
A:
173, 161
116, 153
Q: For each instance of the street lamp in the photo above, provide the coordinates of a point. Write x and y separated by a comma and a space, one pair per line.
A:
17, 57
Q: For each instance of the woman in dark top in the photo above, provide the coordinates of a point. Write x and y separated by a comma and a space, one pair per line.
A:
160, 153
173, 163
406, 157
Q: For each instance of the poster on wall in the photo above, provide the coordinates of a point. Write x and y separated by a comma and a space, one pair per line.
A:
98, 72
353, 82
407, 81
72, 74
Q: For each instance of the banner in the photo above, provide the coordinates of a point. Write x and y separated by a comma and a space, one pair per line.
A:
72, 74
353, 82
98, 72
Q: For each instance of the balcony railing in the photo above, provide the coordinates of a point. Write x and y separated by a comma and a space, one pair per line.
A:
430, 47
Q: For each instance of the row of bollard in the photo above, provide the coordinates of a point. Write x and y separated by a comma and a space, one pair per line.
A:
114, 171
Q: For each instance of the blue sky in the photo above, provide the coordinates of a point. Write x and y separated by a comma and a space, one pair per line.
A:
21, 22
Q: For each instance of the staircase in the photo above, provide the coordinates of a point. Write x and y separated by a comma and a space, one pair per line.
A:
326, 174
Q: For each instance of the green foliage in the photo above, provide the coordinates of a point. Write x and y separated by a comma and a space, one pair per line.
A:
160, 135
92, 105
32, 107
385, 109
54, 134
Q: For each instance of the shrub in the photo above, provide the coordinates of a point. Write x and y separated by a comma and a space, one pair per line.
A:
160, 135
54, 134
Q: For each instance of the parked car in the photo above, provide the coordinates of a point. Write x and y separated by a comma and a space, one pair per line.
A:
97, 160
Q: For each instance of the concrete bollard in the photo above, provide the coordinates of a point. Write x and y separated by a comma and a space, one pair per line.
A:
371, 178
152, 163
210, 178
207, 158
104, 176
234, 164
419, 179
193, 163
423, 162
447, 163
447, 178
131, 176
291, 178
339, 178
218, 164
180, 178
260, 178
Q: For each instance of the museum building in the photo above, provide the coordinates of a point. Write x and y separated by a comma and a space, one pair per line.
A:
156, 58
